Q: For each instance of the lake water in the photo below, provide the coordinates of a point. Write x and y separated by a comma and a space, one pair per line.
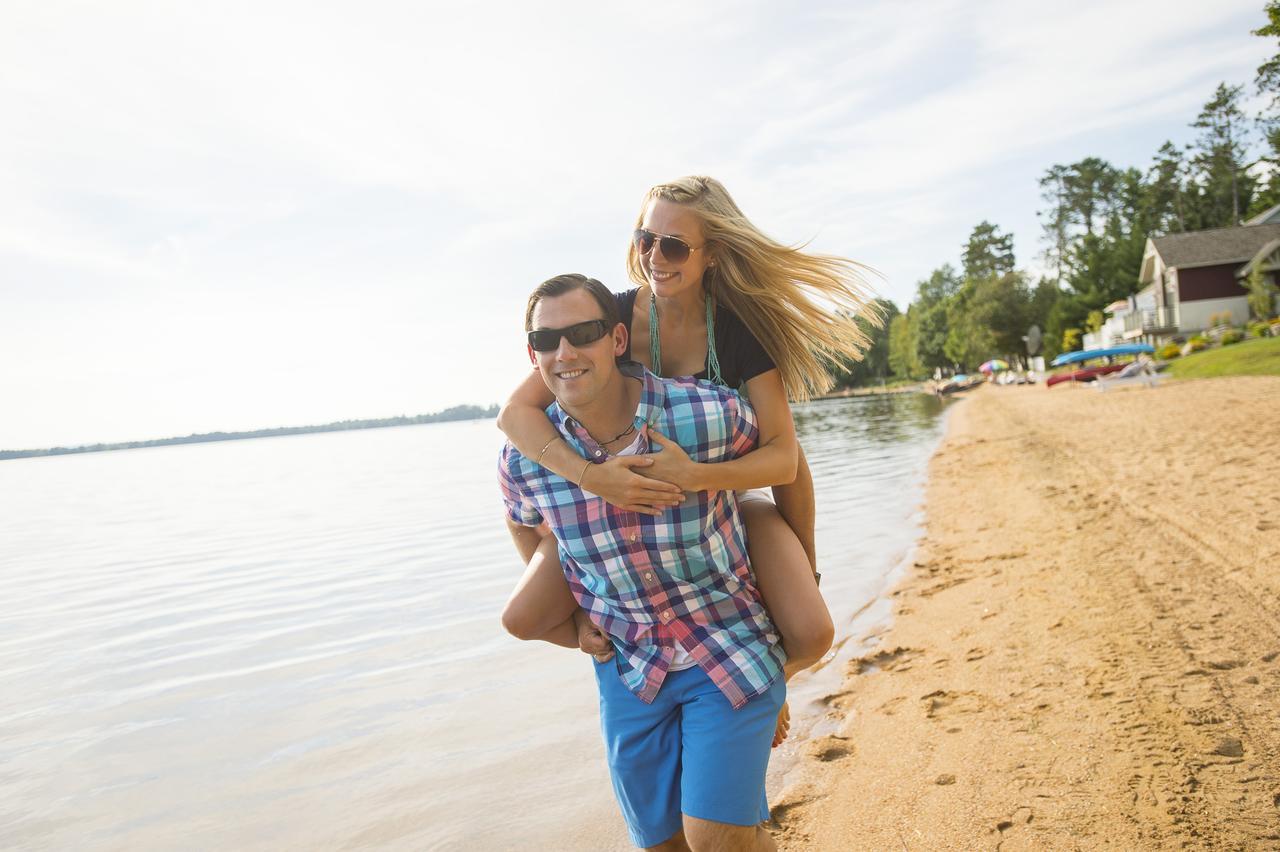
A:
293, 643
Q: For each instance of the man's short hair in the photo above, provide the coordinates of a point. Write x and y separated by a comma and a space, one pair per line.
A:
567, 283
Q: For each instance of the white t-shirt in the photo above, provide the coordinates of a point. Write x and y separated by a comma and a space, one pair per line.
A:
682, 660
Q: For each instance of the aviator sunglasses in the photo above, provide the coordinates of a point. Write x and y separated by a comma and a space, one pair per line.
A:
578, 334
674, 249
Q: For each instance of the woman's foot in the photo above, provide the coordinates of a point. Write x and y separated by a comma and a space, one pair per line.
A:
784, 725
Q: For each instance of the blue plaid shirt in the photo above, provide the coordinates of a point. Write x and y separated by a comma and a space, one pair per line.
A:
654, 582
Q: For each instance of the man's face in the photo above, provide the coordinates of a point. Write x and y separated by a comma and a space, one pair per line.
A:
576, 374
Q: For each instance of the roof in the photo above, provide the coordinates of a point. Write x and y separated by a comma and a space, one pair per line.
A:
1219, 245
1266, 217
1260, 258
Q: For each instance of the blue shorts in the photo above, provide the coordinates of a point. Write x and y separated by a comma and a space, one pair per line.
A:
689, 752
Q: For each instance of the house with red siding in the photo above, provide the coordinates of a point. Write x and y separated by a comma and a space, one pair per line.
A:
1187, 279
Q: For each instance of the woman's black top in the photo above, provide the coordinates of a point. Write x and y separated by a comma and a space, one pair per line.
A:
741, 356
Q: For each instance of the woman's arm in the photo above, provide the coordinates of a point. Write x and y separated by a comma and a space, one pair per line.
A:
524, 421
773, 462
796, 505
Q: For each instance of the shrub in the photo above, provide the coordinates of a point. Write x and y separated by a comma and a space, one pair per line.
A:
1195, 344
1258, 329
1232, 336
1168, 352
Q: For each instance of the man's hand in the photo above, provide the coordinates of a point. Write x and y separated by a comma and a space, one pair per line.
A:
591, 639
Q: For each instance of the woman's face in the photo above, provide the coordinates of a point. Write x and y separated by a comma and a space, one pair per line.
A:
669, 279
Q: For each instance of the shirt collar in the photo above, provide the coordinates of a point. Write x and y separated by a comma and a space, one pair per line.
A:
653, 399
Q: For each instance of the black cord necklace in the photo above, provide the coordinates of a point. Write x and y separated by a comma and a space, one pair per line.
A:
625, 432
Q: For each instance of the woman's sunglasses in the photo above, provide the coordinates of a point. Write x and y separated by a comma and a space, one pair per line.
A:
578, 334
674, 249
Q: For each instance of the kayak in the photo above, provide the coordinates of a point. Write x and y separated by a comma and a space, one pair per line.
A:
1086, 375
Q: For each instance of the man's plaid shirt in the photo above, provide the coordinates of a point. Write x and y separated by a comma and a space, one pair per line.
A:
650, 582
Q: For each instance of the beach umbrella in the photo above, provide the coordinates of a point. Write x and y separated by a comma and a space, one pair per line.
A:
995, 365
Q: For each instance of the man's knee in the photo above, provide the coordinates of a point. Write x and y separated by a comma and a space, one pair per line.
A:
707, 836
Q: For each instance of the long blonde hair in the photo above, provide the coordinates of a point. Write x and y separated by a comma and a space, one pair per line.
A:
777, 291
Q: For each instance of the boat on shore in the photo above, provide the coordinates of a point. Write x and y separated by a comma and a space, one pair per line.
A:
1090, 374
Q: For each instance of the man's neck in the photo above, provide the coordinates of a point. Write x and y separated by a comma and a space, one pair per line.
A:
613, 409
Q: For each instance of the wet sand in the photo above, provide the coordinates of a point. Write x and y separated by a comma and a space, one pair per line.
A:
1086, 654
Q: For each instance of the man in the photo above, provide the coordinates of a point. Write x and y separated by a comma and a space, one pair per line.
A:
689, 701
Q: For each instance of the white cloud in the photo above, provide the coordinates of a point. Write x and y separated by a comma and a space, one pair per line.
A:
247, 214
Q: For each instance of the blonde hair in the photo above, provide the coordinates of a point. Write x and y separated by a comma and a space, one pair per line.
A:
777, 291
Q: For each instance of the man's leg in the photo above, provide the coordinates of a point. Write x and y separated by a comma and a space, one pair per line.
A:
676, 843
725, 754
642, 745
706, 836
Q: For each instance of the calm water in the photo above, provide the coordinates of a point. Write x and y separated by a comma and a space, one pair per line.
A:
294, 643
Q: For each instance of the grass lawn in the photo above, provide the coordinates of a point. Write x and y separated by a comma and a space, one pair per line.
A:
1259, 356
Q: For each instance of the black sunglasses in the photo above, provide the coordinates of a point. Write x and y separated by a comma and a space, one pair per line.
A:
578, 334
674, 249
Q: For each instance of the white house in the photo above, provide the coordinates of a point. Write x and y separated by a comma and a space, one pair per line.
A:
1186, 279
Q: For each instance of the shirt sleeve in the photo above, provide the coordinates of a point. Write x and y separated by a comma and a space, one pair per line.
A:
515, 498
742, 356
743, 431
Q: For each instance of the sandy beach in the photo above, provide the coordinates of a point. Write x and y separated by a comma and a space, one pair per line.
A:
1086, 653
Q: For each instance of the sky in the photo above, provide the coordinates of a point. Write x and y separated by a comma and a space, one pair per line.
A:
251, 214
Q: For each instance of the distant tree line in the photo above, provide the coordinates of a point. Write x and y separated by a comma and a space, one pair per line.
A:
458, 412
1096, 219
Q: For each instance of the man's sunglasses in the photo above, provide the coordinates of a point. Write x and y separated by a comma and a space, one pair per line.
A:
578, 334
674, 249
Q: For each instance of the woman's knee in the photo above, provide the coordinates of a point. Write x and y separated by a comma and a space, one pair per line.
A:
520, 621
811, 639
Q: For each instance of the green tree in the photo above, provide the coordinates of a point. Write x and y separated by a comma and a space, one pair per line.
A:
1166, 190
929, 315
1002, 307
988, 253
1262, 293
1223, 188
1056, 218
969, 341
874, 364
1089, 186
904, 360
1267, 82
1043, 299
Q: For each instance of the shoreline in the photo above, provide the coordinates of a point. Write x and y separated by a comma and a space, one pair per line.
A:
1080, 653
915, 387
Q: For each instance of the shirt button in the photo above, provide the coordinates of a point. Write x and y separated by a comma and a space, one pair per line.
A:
648, 575
666, 615
634, 537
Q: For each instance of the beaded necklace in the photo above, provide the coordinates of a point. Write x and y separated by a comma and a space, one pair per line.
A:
655, 345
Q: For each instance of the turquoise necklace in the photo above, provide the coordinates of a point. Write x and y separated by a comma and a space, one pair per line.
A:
655, 345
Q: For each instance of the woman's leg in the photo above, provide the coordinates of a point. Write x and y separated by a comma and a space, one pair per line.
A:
541, 603
786, 581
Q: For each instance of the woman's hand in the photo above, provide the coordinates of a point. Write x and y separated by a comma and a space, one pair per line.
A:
617, 482
673, 464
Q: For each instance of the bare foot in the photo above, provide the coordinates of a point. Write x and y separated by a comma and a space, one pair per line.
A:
784, 725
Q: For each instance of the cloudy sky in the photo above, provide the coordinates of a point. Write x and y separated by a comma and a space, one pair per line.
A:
239, 215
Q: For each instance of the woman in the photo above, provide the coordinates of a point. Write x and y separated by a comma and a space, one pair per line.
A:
718, 300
